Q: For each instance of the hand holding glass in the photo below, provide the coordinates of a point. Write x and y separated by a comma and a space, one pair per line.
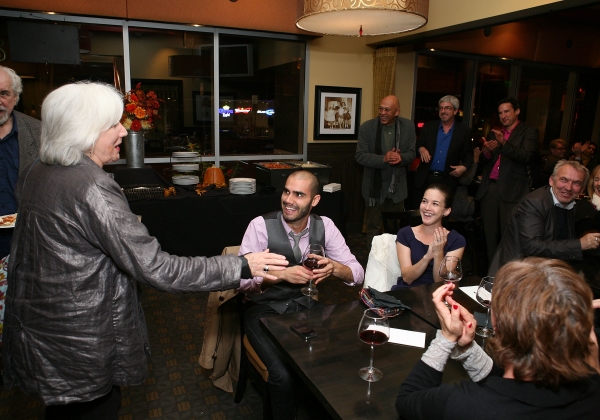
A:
373, 329
450, 270
310, 262
484, 297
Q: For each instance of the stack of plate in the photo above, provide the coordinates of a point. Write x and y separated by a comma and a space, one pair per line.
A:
184, 156
185, 180
185, 167
242, 186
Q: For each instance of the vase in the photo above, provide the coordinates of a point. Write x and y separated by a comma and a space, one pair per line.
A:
134, 148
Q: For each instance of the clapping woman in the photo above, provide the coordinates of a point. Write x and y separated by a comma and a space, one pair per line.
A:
544, 358
74, 328
422, 248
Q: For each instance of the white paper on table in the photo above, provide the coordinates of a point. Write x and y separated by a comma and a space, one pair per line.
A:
407, 338
470, 291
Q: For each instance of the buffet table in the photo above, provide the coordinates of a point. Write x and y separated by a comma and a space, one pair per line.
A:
192, 225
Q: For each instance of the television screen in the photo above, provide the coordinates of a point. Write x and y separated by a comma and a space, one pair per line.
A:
34, 42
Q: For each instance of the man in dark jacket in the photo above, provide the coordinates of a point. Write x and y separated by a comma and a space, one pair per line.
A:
506, 155
543, 223
19, 145
444, 147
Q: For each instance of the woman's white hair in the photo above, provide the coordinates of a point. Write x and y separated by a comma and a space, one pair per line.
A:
73, 117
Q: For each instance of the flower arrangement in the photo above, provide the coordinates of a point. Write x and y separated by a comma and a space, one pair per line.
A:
141, 109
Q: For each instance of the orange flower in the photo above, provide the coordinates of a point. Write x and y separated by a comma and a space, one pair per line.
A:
130, 108
140, 113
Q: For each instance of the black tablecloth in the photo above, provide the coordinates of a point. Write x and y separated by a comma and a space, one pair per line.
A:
190, 225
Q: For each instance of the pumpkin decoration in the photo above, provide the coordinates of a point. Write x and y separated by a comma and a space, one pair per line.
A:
215, 176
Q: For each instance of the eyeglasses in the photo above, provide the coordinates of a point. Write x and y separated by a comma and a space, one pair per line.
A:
386, 110
5, 94
446, 108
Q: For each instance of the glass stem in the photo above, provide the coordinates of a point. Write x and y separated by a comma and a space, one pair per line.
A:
371, 362
487, 318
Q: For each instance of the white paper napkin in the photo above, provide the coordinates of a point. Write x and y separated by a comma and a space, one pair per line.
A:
407, 338
470, 291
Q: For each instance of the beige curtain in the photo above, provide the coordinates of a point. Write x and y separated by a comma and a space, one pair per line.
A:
384, 70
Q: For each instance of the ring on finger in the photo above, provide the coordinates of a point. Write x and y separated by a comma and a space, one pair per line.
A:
266, 269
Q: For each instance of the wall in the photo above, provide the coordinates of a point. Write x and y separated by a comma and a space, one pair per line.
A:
262, 15
405, 82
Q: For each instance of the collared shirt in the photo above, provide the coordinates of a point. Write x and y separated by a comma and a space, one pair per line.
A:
496, 169
438, 162
256, 240
561, 205
9, 169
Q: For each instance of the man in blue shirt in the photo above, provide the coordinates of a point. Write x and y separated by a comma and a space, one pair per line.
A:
19, 145
445, 149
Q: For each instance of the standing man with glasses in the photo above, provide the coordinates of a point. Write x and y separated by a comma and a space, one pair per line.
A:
19, 145
506, 155
386, 146
444, 147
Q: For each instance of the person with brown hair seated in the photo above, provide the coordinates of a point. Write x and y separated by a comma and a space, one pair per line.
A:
544, 357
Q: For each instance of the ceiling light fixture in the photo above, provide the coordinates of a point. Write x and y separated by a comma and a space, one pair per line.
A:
363, 17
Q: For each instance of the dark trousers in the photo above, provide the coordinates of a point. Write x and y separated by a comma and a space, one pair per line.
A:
495, 214
103, 408
374, 223
281, 377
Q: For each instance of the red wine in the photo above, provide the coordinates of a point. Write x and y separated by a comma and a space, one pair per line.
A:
484, 302
373, 337
312, 263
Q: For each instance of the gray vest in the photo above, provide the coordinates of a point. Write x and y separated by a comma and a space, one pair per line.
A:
278, 296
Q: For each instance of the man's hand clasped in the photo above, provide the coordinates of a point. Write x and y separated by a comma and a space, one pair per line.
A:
392, 157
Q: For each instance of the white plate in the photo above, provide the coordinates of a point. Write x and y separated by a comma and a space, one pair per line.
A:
186, 167
242, 180
184, 181
242, 192
184, 154
7, 226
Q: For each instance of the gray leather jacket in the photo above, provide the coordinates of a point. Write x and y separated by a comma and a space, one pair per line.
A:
74, 326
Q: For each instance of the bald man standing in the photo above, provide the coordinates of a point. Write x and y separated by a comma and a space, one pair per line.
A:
386, 146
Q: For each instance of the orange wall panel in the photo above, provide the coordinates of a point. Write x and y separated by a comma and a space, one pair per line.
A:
107, 8
262, 15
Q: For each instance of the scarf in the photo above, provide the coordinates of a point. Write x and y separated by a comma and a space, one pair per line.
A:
376, 195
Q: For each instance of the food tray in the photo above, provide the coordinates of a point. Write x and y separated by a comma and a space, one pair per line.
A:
133, 192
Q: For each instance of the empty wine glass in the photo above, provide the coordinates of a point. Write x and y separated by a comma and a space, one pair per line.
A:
484, 297
310, 261
451, 270
374, 329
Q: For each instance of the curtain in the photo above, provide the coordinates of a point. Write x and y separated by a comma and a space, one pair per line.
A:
384, 71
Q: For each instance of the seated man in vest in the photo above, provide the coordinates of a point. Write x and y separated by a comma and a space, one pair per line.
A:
288, 232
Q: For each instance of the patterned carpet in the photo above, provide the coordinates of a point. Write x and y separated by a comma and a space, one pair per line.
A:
177, 387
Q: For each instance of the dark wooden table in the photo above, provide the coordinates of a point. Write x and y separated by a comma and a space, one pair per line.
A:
329, 363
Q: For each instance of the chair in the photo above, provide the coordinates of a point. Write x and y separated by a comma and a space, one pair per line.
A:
225, 348
383, 267
394, 220
476, 246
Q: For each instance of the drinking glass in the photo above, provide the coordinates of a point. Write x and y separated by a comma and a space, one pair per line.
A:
451, 270
374, 329
484, 297
310, 262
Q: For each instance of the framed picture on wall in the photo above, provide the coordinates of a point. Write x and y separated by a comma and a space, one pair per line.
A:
337, 113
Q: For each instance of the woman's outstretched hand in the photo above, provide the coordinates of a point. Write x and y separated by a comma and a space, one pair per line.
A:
458, 324
261, 263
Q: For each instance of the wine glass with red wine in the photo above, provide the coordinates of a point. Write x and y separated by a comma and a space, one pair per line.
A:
374, 329
484, 297
310, 260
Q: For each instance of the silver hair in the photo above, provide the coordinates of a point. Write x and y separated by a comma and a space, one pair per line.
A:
73, 117
575, 165
17, 85
450, 99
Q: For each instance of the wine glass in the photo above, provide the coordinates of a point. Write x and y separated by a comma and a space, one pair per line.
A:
374, 329
484, 297
451, 270
310, 262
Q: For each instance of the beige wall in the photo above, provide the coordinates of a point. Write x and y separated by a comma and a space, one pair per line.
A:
340, 61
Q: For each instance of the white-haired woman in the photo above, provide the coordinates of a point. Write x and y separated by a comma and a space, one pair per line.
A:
74, 329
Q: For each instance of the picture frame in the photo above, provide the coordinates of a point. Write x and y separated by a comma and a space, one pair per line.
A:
337, 112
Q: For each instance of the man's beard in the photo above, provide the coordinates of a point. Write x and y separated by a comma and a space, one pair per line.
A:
4, 117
